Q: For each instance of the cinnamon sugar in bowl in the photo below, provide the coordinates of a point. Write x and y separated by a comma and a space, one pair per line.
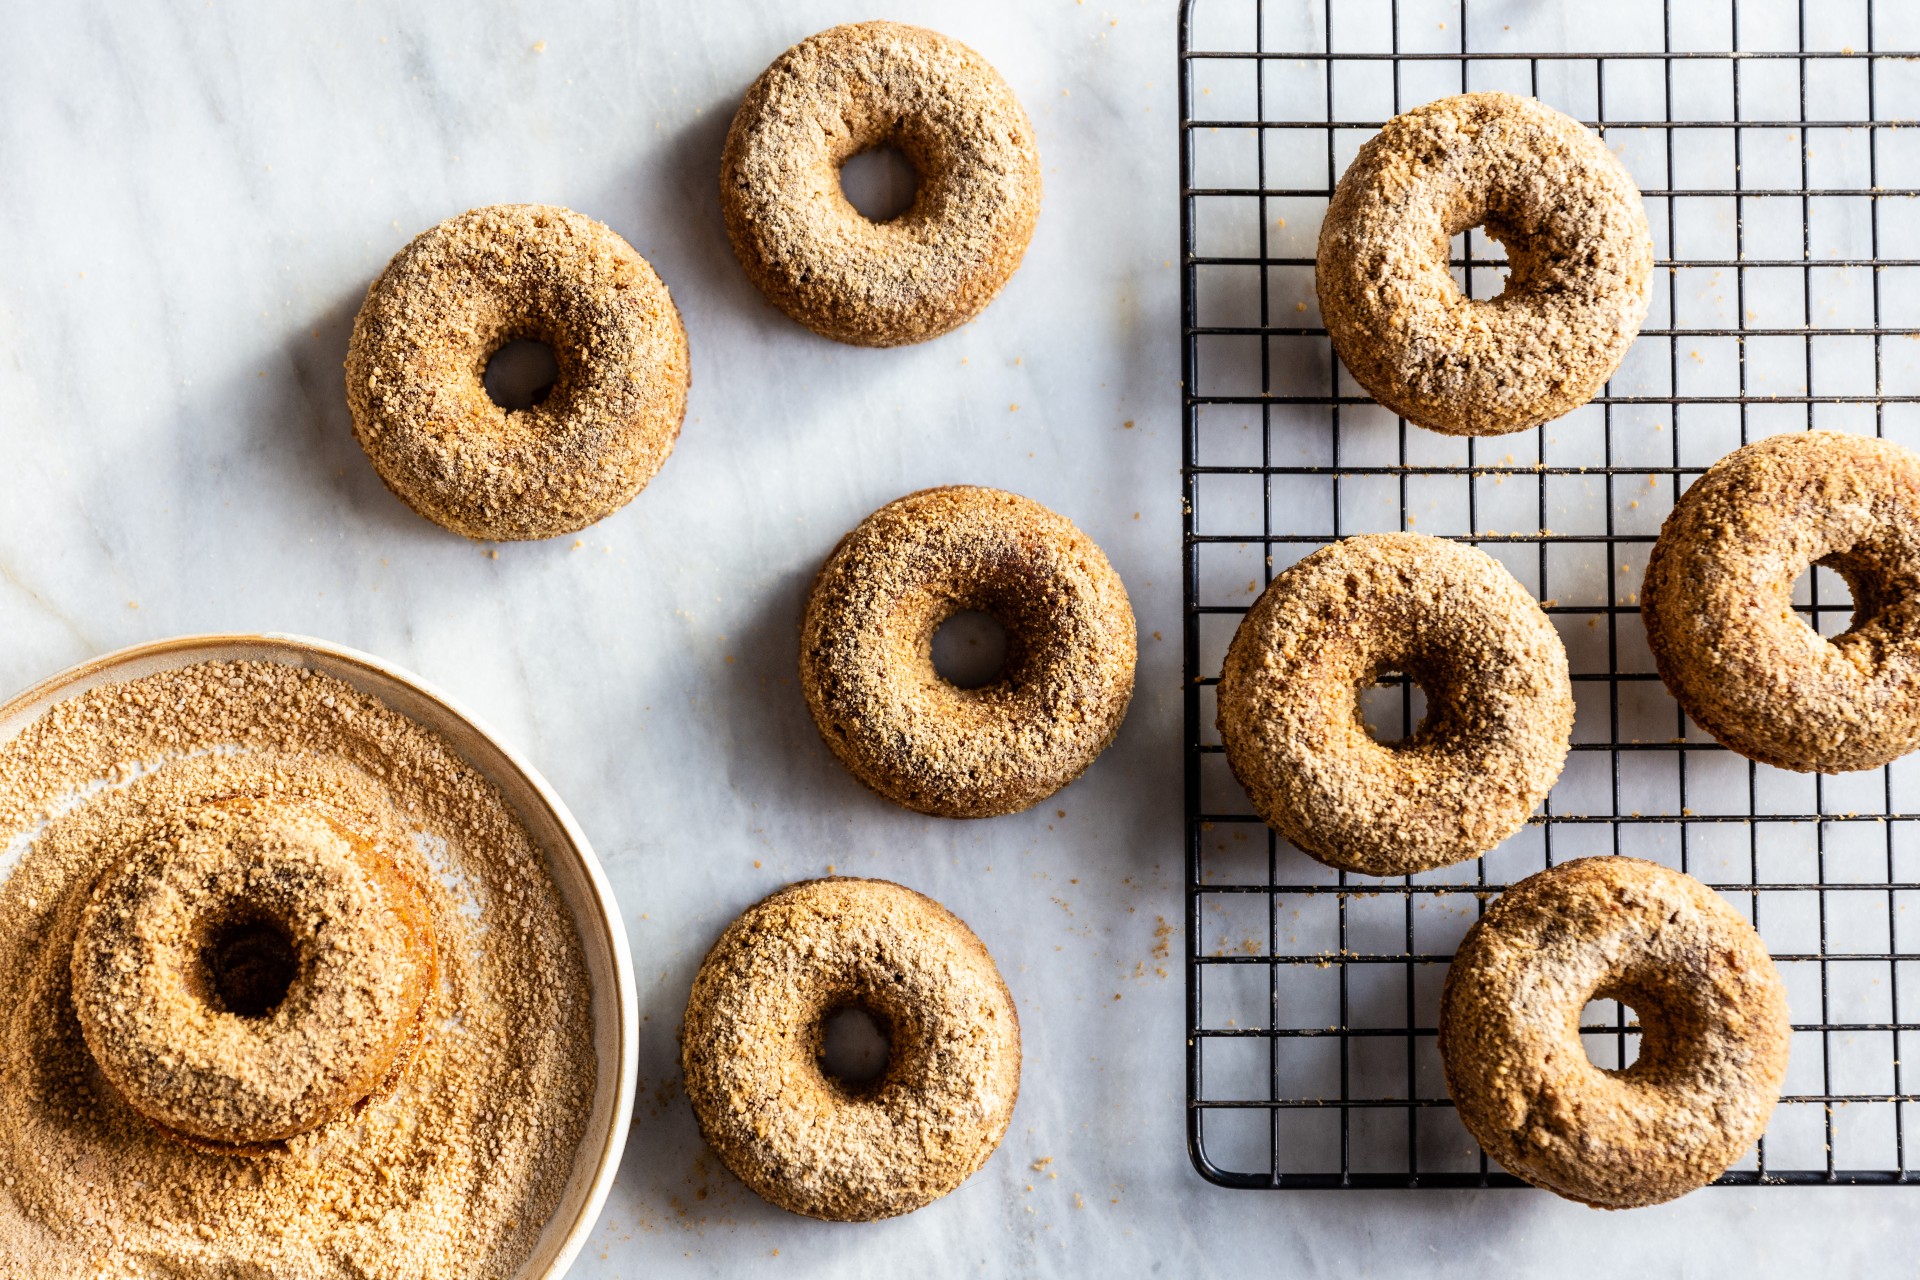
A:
491, 1153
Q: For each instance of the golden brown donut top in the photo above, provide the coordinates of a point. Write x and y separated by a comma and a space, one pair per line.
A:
451, 299
1718, 601
1713, 1041
848, 90
866, 662
1579, 251
174, 959
752, 1043
1499, 703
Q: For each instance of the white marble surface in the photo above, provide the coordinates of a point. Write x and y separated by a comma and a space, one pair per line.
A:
192, 199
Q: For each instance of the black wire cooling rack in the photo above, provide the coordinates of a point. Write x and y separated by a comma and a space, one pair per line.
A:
1779, 154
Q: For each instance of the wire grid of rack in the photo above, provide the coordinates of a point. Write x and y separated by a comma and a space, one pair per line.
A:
1781, 189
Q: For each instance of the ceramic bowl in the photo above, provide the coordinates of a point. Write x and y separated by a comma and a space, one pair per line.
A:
576, 873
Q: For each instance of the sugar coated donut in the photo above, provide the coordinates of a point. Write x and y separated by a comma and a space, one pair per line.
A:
752, 1044
866, 662
1713, 1022
1580, 260
1718, 601
1499, 703
819, 259
456, 295
250, 972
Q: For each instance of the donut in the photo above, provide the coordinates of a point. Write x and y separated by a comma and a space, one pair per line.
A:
866, 664
852, 89
1713, 1022
1499, 704
250, 972
456, 295
1579, 254
1718, 601
752, 1042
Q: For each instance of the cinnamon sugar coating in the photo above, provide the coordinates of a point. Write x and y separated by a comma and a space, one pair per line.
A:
1579, 251
1718, 601
752, 1042
449, 1175
1714, 1032
1499, 704
164, 949
866, 664
457, 294
819, 259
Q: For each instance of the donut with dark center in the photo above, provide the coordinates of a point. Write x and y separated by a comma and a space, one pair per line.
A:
866, 664
1714, 1032
1579, 256
752, 1042
1451, 619
852, 89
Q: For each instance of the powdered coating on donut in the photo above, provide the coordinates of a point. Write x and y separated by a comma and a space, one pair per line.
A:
1579, 251
751, 1050
866, 663
1713, 1043
451, 299
1718, 601
1499, 703
816, 257
166, 1042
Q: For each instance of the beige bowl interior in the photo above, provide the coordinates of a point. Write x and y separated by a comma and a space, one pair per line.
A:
576, 873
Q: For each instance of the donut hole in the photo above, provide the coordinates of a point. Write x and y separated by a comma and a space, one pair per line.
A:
970, 649
855, 1047
1393, 708
521, 374
880, 182
1824, 598
248, 962
1510, 264
1610, 1033
1479, 263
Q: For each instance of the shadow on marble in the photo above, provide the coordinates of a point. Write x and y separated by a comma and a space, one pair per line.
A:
686, 240
773, 744
314, 429
669, 1176
671, 199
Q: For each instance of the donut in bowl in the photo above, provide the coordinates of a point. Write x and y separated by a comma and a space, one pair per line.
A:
251, 971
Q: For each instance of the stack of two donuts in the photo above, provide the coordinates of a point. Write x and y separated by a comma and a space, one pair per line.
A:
251, 969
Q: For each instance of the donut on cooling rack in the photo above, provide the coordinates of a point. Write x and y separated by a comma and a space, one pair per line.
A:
250, 972
1713, 1022
852, 89
866, 662
456, 295
1718, 601
1499, 704
752, 1044
1579, 253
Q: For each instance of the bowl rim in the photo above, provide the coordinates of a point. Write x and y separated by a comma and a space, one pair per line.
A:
607, 915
